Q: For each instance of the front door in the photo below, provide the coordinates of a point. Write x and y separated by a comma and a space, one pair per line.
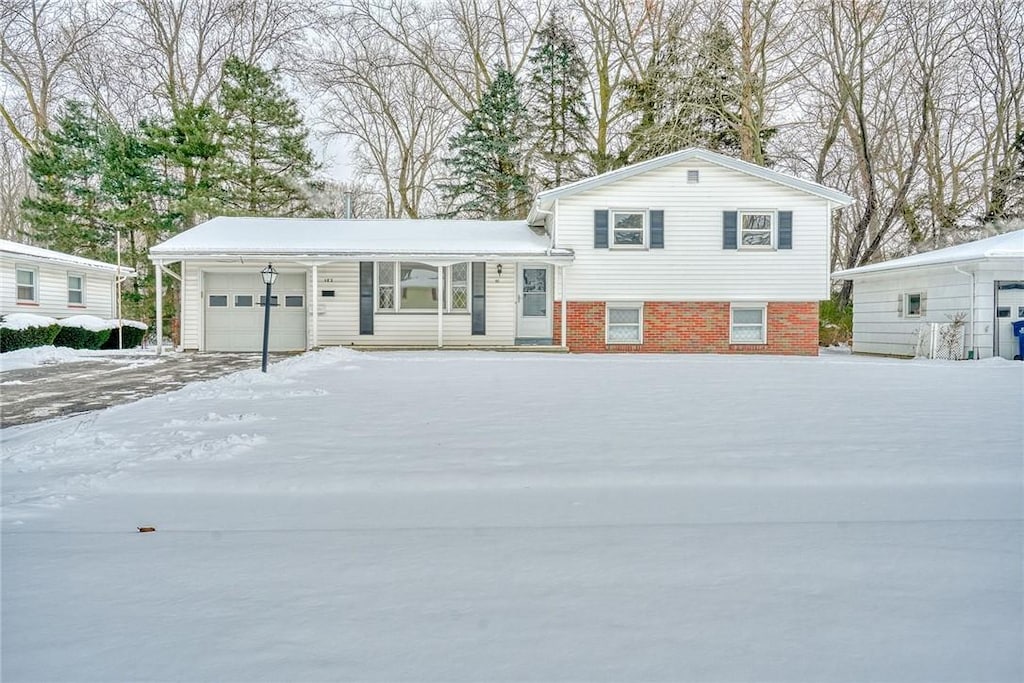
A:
533, 304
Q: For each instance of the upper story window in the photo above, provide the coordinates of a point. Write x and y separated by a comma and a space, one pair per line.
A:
411, 286
76, 289
756, 228
628, 228
26, 279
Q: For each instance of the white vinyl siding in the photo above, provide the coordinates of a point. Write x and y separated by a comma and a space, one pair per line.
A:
51, 289
693, 266
879, 327
339, 315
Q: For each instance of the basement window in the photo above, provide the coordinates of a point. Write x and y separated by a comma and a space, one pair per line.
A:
747, 325
625, 324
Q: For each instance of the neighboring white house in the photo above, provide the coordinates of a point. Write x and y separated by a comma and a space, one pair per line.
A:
690, 252
896, 302
55, 284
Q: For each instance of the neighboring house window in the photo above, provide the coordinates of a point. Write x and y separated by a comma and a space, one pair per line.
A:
756, 228
747, 325
913, 305
76, 289
416, 287
625, 324
628, 228
26, 282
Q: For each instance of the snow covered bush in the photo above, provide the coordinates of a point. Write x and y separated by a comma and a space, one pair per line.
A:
132, 333
25, 330
82, 332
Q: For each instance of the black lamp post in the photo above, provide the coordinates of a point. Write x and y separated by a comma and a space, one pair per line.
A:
269, 276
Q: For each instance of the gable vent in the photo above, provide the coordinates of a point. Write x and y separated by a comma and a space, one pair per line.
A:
693, 176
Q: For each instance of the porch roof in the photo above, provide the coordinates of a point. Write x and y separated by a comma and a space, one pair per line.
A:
325, 240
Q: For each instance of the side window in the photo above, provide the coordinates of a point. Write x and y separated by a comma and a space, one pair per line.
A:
26, 284
76, 289
913, 305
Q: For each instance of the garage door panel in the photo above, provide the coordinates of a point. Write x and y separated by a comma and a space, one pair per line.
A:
234, 312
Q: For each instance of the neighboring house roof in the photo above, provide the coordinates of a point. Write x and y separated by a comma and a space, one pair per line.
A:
40, 255
548, 196
1007, 245
355, 238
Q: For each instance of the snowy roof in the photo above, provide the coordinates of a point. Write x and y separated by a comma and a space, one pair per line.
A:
320, 238
48, 255
836, 196
1007, 245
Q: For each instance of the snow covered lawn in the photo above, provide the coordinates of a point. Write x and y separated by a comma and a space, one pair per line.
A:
474, 516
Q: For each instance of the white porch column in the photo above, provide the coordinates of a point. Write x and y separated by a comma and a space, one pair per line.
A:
440, 306
564, 306
159, 308
313, 304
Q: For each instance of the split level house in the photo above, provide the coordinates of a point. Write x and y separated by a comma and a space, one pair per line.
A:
689, 252
896, 303
55, 284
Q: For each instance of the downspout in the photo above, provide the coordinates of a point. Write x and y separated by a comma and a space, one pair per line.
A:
973, 276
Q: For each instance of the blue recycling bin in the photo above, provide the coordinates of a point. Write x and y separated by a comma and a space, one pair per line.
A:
1018, 332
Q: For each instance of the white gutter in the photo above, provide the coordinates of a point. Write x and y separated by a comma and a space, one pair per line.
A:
973, 276
526, 257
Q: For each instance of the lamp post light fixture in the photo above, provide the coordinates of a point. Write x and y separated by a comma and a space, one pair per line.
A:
269, 276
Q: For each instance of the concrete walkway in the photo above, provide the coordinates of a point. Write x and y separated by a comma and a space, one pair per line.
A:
48, 391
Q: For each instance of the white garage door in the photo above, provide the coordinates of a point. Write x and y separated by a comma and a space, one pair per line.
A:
234, 312
1009, 309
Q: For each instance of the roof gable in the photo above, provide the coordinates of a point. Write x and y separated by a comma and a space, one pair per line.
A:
548, 196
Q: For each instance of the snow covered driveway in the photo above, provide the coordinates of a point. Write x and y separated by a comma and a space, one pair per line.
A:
81, 381
473, 516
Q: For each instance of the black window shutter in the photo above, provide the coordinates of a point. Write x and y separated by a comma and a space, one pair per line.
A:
479, 298
601, 229
365, 297
657, 229
728, 230
785, 229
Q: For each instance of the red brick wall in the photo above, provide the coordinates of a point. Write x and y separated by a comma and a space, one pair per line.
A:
692, 327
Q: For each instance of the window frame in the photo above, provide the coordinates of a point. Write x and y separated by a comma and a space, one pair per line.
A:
644, 230
773, 230
395, 284
763, 325
34, 271
623, 305
906, 304
80, 290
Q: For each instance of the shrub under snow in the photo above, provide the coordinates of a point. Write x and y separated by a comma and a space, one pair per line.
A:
25, 330
82, 332
132, 333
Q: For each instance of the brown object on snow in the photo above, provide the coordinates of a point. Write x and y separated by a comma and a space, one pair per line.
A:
144, 529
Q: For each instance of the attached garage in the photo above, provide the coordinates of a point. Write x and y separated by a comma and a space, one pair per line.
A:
233, 312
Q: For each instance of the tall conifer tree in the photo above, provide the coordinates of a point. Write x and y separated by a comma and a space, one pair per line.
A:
267, 162
489, 163
559, 107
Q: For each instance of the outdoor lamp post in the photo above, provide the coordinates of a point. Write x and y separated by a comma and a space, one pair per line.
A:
269, 276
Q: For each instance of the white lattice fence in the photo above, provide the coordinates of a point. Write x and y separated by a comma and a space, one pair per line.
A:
943, 341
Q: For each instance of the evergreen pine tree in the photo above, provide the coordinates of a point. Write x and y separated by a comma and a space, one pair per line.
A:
488, 166
687, 98
65, 212
267, 162
559, 104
